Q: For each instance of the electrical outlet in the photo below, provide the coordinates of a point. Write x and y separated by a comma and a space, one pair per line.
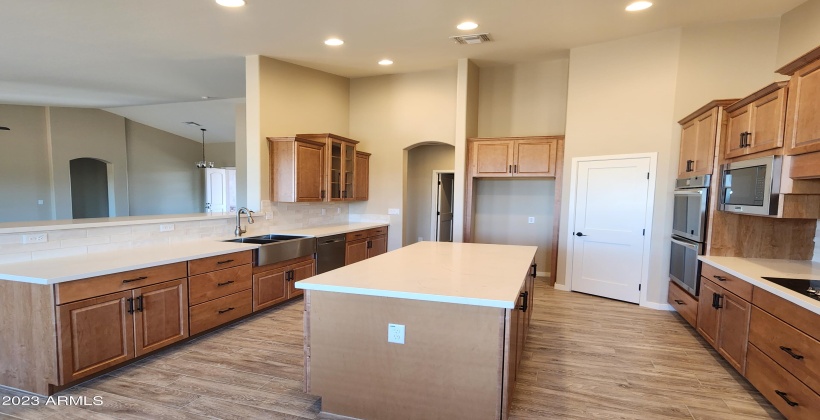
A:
393, 211
40, 202
531, 220
395, 333
166, 228
35, 238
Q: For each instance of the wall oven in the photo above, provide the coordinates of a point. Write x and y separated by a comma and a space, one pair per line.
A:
751, 186
689, 216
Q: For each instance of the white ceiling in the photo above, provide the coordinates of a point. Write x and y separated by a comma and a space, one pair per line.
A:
103, 53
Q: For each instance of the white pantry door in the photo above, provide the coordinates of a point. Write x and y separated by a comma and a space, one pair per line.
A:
215, 190
610, 217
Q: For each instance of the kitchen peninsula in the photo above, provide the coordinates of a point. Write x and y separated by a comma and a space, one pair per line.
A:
462, 312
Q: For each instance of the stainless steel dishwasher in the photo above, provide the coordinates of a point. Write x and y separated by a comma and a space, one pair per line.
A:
330, 253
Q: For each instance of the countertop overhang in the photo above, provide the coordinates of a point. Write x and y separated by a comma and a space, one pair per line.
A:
753, 270
460, 273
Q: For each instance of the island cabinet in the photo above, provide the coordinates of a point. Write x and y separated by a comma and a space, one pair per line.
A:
464, 309
363, 244
297, 169
275, 283
803, 109
783, 361
756, 123
723, 314
513, 157
220, 290
147, 311
700, 133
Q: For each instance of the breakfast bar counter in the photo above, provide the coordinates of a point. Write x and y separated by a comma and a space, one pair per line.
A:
459, 313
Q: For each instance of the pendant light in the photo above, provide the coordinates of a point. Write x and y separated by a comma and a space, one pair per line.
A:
204, 164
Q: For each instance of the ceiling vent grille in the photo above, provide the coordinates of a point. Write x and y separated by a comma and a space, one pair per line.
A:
471, 39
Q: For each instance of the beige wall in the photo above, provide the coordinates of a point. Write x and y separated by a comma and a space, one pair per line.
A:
92, 133
221, 154
162, 178
799, 32
622, 100
526, 99
421, 162
503, 207
709, 57
389, 114
25, 174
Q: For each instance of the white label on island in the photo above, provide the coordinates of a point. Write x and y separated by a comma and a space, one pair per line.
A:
395, 333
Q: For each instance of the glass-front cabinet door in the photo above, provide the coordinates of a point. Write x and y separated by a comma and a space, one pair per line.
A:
342, 174
349, 174
335, 170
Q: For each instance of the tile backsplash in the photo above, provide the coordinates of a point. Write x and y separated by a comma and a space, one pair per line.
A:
70, 242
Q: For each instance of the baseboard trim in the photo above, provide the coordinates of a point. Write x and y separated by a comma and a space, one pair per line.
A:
558, 286
658, 306
543, 274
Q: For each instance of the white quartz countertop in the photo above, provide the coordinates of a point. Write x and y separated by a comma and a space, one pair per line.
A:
753, 270
58, 270
462, 273
329, 230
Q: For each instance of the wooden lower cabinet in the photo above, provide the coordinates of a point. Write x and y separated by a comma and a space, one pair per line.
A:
790, 396
684, 303
355, 251
708, 313
365, 244
276, 284
219, 311
94, 334
517, 324
377, 245
723, 321
161, 315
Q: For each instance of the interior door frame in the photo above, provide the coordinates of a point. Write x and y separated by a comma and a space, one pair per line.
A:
650, 207
434, 202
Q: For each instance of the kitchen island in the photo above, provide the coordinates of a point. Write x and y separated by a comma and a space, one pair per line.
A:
463, 310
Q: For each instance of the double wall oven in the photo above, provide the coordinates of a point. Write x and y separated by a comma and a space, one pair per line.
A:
689, 231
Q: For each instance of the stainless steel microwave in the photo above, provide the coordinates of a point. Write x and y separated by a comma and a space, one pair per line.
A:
751, 186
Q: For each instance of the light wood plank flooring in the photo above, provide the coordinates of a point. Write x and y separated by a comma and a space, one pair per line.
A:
586, 357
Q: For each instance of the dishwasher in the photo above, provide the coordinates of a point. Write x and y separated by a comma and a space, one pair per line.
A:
330, 253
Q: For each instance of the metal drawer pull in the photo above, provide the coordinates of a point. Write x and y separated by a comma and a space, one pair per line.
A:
721, 278
785, 398
680, 302
130, 305
136, 279
225, 284
789, 350
139, 304
226, 310
525, 295
224, 262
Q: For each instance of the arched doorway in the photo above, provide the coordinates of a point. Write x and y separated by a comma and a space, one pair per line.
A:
425, 163
89, 188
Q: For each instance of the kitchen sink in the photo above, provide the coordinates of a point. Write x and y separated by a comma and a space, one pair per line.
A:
277, 248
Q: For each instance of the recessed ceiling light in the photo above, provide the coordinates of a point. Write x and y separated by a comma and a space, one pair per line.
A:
466, 26
231, 3
206, 97
638, 5
386, 62
334, 42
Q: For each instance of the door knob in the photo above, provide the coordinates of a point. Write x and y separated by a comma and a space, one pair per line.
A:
580, 234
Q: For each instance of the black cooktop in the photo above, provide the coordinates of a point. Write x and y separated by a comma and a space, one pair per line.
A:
807, 287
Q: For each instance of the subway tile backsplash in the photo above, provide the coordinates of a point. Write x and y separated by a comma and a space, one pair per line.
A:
71, 242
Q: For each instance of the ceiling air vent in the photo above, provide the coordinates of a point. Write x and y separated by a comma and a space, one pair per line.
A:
471, 39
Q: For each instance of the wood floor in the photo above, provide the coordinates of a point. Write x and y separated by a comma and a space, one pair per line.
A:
586, 357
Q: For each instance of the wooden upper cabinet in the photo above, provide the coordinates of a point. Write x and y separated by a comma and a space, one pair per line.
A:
94, 334
362, 187
513, 156
340, 165
297, 168
802, 134
161, 315
700, 132
756, 123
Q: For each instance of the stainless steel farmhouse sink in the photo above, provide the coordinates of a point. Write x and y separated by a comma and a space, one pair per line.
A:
278, 248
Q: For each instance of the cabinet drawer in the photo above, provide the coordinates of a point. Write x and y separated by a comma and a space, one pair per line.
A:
359, 234
204, 265
778, 385
800, 318
111, 283
219, 311
209, 286
742, 289
378, 231
796, 352
684, 303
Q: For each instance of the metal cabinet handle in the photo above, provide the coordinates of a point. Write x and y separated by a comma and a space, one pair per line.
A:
689, 165
130, 305
225, 283
680, 302
534, 272
515, 169
526, 296
139, 304
136, 279
716, 301
222, 311
785, 398
510, 169
790, 352
224, 262
720, 278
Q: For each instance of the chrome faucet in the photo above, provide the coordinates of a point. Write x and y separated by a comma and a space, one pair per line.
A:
239, 231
